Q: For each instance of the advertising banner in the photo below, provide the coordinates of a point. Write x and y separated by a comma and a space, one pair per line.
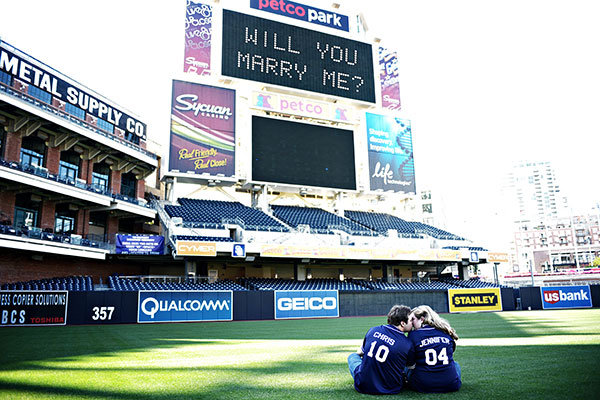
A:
60, 94
388, 75
198, 36
566, 296
202, 129
192, 248
480, 299
359, 253
303, 13
139, 244
185, 306
497, 257
33, 308
390, 149
306, 304
302, 106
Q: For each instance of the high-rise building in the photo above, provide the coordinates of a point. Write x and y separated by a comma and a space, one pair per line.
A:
534, 193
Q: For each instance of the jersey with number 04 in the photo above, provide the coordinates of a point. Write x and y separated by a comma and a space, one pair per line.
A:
434, 370
387, 352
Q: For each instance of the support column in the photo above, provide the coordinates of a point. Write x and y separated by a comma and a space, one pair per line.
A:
47, 217
13, 147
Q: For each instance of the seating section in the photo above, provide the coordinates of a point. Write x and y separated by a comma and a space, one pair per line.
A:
71, 283
115, 282
127, 284
47, 234
311, 284
473, 283
43, 172
202, 238
319, 220
214, 214
381, 223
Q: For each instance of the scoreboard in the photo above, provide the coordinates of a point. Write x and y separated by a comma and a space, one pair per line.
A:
271, 52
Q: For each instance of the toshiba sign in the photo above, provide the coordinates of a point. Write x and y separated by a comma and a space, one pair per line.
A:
191, 248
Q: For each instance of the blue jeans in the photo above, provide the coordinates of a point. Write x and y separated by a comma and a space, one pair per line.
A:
354, 360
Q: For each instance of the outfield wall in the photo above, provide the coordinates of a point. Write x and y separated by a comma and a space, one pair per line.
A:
115, 307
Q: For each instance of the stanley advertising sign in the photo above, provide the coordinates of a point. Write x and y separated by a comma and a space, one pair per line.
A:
482, 299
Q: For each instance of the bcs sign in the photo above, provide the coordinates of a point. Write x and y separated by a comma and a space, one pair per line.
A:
302, 12
185, 306
566, 297
306, 304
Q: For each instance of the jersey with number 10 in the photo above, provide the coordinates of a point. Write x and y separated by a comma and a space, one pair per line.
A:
387, 352
434, 371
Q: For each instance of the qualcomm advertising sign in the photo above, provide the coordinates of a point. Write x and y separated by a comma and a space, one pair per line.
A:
566, 296
306, 304
185, 306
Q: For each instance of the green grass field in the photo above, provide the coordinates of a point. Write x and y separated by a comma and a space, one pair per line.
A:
514, 355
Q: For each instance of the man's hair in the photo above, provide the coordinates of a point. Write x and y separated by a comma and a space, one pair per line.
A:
397, 314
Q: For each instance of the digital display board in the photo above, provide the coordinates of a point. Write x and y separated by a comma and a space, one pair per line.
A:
266, 51
301, 154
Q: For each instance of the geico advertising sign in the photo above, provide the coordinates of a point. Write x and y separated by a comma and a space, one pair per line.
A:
185, 306
483, 299
566, 296
306, 304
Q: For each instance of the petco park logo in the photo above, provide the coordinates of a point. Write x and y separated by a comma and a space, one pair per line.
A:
306, 304
566, 297
303, 13
185, 306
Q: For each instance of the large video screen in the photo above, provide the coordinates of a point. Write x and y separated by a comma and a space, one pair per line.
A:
266, 51
301, 154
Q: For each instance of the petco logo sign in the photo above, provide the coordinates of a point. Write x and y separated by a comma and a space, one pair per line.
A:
303, 13
566, 296
185, 305
306, 304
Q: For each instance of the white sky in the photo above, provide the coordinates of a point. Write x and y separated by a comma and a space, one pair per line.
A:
486, 83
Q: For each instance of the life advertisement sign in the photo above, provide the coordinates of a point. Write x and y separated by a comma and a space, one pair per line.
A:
390, 149
29, 76
306, 304
303, 12
185, 306
192, 248
33, 308
302, 106
480, 299
388, 76
198, 36
139, 244
566, 296
202, 129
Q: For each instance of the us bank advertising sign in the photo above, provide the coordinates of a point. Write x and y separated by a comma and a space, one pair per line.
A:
390, 149
185, 306
306, 304
566, 297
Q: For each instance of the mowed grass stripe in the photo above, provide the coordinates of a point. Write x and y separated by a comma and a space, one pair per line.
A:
548, 354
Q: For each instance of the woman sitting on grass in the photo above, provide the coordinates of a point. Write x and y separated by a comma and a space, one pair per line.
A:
435, 370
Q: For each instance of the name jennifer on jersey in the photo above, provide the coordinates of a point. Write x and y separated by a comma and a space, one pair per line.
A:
434, 340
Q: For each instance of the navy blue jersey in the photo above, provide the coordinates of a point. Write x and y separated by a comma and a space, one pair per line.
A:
434, 371
387, 352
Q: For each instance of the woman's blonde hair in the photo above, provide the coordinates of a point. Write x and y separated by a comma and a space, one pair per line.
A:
432, 318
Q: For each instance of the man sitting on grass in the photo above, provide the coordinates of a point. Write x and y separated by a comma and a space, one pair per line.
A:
378, 366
